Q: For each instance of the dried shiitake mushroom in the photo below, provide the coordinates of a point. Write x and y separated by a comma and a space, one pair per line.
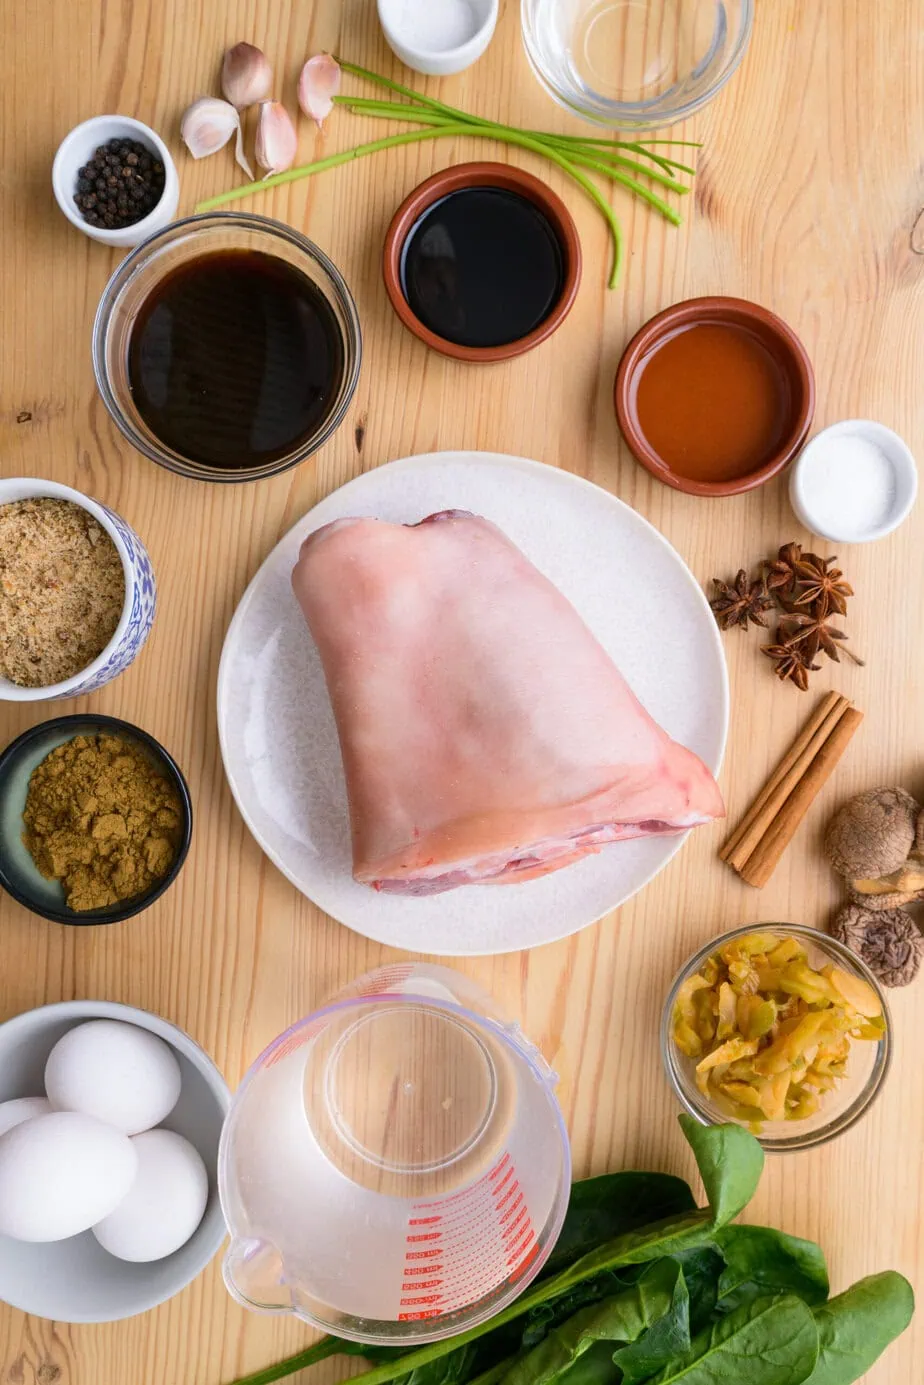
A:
889, 941
874, 841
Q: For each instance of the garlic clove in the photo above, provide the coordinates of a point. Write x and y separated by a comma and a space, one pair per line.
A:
318, 84
206, 127
277, 142
246, 76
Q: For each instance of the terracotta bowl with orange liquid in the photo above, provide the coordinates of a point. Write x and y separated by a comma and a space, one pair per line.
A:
715, 395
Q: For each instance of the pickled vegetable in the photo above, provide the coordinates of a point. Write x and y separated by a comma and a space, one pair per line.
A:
770, 1034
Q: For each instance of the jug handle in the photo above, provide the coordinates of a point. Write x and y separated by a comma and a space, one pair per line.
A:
254, 1275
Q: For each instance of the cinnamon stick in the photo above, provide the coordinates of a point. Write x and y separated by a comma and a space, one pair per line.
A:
828, 703
765, 857
784, 780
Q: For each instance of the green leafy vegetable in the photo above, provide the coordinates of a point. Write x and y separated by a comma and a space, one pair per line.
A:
702, 1269
759, 1260
604, 1207
545, 1316
665, 1339
730, 1164
666, 1237
448, 1370
855, 1328
595, 1367
770, 1341
684, 1298
622, 1318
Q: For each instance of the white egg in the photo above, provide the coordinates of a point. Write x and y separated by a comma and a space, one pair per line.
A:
60, 1174
123, 1075
21, 1108
165, 1203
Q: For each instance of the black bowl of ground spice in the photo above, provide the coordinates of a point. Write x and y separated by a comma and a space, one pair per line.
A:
95, 819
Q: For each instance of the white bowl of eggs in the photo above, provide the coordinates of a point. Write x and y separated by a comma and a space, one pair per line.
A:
109, 1126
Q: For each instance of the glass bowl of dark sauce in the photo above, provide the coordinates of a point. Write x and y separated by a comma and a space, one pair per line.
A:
227, 347
482, 262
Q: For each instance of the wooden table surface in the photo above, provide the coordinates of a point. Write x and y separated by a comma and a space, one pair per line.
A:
808, 194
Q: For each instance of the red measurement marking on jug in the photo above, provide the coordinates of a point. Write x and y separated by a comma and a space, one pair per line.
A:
483, 1238
385, 979
291, 1043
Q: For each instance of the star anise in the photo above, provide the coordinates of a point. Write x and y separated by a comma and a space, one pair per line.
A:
822, 585
814, 633
781, 574
740, 602
791, 663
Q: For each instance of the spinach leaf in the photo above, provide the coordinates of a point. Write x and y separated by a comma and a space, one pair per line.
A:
702, 1269
855, 1328
621, 1318
452, 1369
692, 1307
761, 1260
595, 1367
539, 1322
771, 1341
730, 1163
681, 1232
604, 1207
665, 1339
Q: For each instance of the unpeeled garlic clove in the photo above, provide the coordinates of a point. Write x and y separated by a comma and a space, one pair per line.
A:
246, 76
206, 127
318, 84
277, 142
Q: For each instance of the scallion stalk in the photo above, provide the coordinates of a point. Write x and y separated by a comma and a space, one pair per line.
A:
570, 153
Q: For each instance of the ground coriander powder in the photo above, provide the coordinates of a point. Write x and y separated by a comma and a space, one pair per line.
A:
62, 589
103, 820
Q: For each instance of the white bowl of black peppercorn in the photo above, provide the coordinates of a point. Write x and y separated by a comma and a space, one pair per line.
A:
79, 148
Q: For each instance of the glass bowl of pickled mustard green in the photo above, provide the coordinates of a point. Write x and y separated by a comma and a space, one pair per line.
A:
134, 830
779, 1028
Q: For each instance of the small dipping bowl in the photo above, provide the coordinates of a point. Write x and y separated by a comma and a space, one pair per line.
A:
143, 273
78, 147
138, 610
840, 1108
635, 64
467, 265
715, 396
76, 1280
19, 874
439, 38
854, 482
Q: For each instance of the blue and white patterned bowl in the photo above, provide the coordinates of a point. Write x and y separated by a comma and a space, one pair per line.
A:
140, 595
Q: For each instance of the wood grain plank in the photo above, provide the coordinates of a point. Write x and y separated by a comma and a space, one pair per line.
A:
810, 186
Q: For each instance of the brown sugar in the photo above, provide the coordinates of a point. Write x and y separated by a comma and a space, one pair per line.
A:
102, 819
62, 589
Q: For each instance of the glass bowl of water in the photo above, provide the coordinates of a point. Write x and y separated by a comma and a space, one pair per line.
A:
635, 64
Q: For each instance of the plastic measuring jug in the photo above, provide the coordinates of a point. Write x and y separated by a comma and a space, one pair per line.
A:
395, 1167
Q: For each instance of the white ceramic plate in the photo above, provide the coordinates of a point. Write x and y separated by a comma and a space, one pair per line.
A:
277, 731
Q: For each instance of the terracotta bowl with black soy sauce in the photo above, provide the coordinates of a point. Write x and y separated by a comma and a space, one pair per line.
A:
227, 347
715, 396
482, 262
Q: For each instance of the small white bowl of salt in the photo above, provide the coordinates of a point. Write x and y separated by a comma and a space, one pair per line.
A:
438, 37
854, 482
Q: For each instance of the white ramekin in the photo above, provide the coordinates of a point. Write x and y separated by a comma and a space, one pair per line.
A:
397, 17
904, 471
140, 595
77, 147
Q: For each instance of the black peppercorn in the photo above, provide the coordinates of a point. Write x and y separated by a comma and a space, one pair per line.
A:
119, 185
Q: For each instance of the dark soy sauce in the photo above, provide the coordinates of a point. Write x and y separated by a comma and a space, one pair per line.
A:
482, 267
235, 359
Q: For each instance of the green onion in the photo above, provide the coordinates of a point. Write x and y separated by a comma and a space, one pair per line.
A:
570, 153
